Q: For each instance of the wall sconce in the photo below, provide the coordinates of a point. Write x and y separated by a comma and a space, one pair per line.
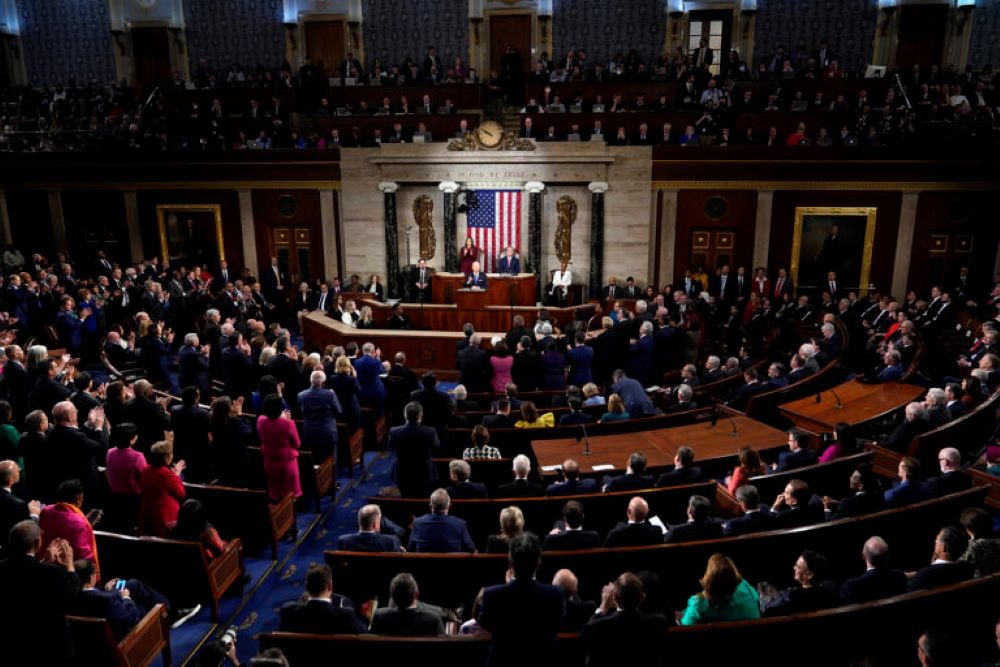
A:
476, 21
353, 26
543, 23
675, 20
290, 29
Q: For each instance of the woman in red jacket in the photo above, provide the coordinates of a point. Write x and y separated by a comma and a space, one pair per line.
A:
279, 446
162, 491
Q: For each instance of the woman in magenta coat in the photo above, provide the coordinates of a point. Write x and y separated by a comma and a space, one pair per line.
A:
501, 362
467, 255
279, 447
162, 491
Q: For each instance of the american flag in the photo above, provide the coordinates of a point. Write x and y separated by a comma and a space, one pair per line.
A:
494, 224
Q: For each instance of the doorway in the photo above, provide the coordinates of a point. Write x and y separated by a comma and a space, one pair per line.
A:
921, 36
325, 45
151, 56
716, 27
513, 30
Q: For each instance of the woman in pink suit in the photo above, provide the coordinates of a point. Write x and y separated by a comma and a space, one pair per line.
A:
279, 446
467, 255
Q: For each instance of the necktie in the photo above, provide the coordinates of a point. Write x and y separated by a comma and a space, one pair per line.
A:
777, 288
421, 276
322, 301
833, 288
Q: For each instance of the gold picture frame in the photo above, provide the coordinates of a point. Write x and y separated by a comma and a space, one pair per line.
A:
167, 217
812, 234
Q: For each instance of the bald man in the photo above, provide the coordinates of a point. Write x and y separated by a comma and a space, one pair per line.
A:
578, 611
636, 531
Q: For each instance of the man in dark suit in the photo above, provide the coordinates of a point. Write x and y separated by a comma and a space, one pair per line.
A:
910, 489
636, 531
621, 629
578, 611
438, 409
474, 368
913, 424
571, 536
523, 616
798, 455
437, 532
123, 608
575, 414
612, 291
414, 446
954, 393
756, 517
684, 472
631, 290
794, 508
462, 486
369, 536
637, 403
149, 415
189, 422
501, 418
223, 276
723, 286
192, 361
320, 613
952, 479
571, 483
528, 131
526, 369
13, 510
44, 592
751, 386
633, 479
866, 497
782, 285
420, 278
641, 355
476, 278
272, 282
520, 487
509, 263
879, 580
75, 452
945, 567
700, 524
405, 617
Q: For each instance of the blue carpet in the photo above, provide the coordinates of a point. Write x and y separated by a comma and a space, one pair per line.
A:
277, 582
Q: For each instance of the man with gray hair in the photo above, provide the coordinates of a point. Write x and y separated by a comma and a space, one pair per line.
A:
462, 485
879, 580
936, 407
320, 409
474, 367
641, 355
914, 423
369, 536
436, 532
952, 479
520, 487
713, 370
192, 364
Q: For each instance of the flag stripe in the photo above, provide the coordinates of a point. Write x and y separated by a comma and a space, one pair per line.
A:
495, 224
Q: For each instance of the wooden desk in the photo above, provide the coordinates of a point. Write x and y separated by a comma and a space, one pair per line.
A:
860, 403
660, 446
451, 317
501, 290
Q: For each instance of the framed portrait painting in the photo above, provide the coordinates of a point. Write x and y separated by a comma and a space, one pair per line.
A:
191, 233
837, 239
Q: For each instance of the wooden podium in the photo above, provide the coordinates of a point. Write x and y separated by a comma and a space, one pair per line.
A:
501, 290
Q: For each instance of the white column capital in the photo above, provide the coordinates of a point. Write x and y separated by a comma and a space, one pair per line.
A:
598, 187
534, 187
448, 187
388, 187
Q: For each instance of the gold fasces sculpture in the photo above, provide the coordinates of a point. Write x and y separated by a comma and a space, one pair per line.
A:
566, 208
423, 206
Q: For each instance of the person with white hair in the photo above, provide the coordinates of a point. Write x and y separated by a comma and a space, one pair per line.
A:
952, 478
915, 423
192, 361
320, 409
521, 487
936, 405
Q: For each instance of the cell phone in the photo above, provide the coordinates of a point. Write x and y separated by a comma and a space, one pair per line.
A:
94, 516
120, 585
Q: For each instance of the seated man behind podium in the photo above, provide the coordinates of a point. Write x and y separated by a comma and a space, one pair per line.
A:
509, 263
462, 485
633, 478
476, 278
369, 536
571, 483
637, 531
520, 487
406, 618
437, 532
571, 536
319, 613
420, 278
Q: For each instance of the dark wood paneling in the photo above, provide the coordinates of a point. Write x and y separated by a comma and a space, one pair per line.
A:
231, 228
268, 216
921, 36
886, 227
95, 220
325, 44
151, 55
514, 30
953, 215
30, 222
739, 218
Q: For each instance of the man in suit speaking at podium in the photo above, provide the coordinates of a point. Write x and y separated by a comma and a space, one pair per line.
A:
509, 263
476, 279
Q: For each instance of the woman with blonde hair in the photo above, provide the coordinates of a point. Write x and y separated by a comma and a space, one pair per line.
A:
511, 525
366, 321
725, 595
616, 409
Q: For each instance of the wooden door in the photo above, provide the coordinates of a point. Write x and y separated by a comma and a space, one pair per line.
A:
712, 249
293, 248
510, 30
921, 36
287, 226
325, 45
151, 56
715, 27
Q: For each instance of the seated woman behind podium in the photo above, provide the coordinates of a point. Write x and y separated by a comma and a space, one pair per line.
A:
531, 419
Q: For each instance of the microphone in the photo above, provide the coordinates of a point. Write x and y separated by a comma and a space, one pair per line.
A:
819, 397
733, 423
839, 404
715, 416
586, 440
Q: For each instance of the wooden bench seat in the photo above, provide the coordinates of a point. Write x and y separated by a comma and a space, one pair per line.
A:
764, 406
95, 641
176, 568
825, 479
316, 479
452, 579
246, 514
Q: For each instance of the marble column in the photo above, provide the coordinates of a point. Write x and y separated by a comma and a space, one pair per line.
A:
132, 225
389, 189
58, 221
668, 238
247, 232
450, 191
597, 190
534, 263
762, 237
330, 240
904, 244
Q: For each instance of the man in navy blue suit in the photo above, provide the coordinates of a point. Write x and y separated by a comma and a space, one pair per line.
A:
69, 325
637, 403
437, 532
910, 489
756, 515
122, 607
879, 580
641, 356
462, 487
414, 446
945, 568
571, 484
798, 454
369, 536
322, 612
192, 361
523, 616
509, 263
476, 278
